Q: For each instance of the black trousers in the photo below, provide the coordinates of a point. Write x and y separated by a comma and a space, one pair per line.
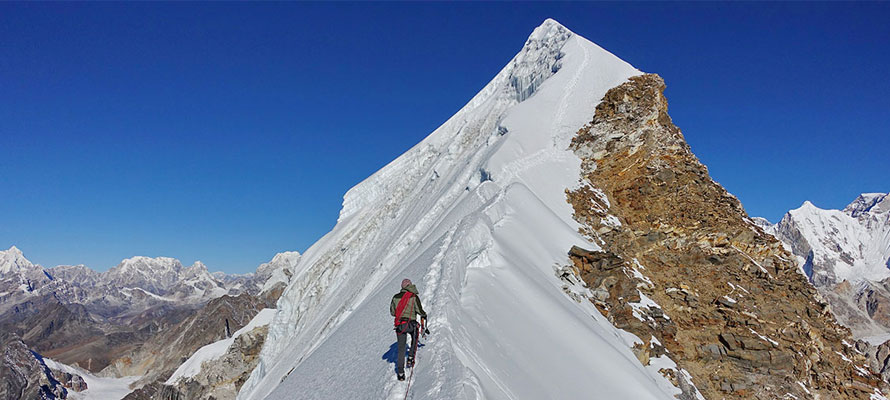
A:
402, 332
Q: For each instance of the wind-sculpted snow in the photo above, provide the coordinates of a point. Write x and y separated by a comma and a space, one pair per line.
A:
476, 215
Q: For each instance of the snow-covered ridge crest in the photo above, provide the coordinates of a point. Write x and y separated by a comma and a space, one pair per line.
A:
192, 366
476, 214
538, 59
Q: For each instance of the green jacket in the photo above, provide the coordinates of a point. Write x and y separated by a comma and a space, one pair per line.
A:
412, 308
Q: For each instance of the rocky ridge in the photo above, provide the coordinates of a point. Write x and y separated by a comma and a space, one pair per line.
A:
24, 375
222, 378
685, 270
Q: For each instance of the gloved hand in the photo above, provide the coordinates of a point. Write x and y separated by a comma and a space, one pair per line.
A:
424, 330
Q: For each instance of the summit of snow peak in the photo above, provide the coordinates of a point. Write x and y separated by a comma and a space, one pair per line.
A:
475, 213
13, 260
837, 245
482, 120
549, 27
198, 265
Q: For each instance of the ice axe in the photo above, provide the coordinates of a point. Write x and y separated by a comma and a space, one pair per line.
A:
423, 329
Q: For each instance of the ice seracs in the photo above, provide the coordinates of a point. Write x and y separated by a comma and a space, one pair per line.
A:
276, 273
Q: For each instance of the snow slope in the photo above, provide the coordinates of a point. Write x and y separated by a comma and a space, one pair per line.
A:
476, 215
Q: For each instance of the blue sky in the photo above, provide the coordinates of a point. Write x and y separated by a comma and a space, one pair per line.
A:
227, 132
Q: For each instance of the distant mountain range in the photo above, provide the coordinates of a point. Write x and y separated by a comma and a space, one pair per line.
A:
134, 285
141, 318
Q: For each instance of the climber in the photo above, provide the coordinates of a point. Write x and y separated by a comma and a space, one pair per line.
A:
405, 307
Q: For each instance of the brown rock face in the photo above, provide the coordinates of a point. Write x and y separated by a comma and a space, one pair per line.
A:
735, 313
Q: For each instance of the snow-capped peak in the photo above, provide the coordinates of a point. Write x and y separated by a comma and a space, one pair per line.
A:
12, 261
475, 213
278, 271
198, 265
835, 245
149, 262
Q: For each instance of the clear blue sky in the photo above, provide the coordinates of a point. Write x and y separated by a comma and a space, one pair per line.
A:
227, 132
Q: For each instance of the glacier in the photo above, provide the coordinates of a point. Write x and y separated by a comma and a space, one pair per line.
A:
476, 215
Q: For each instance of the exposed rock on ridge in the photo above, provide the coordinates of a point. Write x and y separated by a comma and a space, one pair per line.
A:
736, 313
24, 375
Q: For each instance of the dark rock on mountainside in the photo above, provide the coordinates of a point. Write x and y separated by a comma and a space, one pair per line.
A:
23, 375
878, 357
734, 310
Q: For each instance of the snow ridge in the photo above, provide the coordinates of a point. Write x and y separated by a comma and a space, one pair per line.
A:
476, 214
215, 350
537, 61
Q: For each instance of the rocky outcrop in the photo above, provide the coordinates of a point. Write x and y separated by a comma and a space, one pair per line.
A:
23, 375
684, 269
222, 378
878, 357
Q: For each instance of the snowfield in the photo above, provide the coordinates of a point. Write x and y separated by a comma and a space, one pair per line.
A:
476, 215
98, 388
